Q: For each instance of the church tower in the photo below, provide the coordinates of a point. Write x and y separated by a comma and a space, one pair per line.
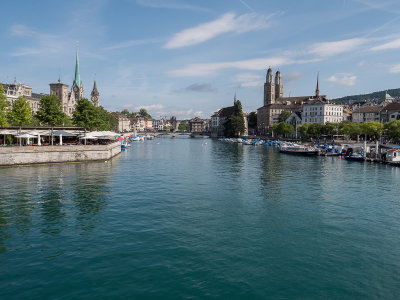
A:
77, 85
269, 88
95, 95
278, 85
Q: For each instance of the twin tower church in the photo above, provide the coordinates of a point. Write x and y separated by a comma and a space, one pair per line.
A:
69, 98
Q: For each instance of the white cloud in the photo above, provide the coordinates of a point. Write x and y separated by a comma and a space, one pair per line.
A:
207, 69
395, 69
344, 79
171, 5
133, 43
21, 30
228, 22
337, 47
249, 80
361, 63
395, 44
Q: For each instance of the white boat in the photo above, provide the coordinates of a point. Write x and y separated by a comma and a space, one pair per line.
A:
299, 150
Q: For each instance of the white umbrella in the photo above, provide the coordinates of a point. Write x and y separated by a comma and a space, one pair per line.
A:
37, 134
24, 136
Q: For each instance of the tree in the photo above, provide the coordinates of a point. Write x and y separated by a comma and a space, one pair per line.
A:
125, 112
352, 129
21, 113
183, 126
50, 112
371, 128
90, 116
143, 112
252, 119
283, 116
304, 128
283, 128
392, 129
4, 104
330, 128
315, 129
234, 126
113, 122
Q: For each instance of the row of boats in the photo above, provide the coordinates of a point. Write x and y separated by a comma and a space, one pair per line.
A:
348, 152
126, 141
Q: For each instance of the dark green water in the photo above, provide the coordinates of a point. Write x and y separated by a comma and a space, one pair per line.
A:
182, 219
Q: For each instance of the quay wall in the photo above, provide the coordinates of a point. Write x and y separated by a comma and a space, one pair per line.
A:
27, 155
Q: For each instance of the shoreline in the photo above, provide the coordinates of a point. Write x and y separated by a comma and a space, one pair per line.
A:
37, 155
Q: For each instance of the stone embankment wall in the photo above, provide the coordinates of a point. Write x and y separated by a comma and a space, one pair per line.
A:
27, 155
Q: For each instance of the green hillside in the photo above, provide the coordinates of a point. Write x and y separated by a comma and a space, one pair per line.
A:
371, 96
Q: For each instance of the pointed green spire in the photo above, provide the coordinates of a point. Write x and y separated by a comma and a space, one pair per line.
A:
77, 80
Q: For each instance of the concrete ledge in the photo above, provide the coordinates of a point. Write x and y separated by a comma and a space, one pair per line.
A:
27, 155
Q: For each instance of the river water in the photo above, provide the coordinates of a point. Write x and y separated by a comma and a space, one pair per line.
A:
193, 218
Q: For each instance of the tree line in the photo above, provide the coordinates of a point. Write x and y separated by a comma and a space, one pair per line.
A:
50, 113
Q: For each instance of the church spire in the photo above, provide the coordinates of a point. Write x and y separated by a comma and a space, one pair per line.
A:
95, 92
317, 89
77, 79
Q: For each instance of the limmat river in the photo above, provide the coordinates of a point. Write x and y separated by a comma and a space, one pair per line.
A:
193, 218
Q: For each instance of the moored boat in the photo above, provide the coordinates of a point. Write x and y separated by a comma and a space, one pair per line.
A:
299, 150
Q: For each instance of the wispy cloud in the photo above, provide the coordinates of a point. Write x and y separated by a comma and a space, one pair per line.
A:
395, 44
21, 30
247, 5
207, 69
343, 79
336, 47
133, 43
395, 69
171, 5
248, 80
228, 22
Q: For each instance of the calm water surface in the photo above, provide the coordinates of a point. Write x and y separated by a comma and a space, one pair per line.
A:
184, 219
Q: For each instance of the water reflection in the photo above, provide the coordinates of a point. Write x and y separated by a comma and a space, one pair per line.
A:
45, 194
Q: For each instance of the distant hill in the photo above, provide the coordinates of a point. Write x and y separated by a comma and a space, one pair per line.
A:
395, 93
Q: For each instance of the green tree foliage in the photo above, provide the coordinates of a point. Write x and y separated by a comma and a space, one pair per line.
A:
330, 128
315, 129
234, 126
183, 126
371, 128
352, 129
125, 112
113, 122
283, 128
21, 113
4, 104
392, 129
50, 112
283, 116
252, 119
143, 112
303, 129
90, 116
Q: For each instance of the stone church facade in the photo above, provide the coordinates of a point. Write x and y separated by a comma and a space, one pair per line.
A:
69, 98
275, 103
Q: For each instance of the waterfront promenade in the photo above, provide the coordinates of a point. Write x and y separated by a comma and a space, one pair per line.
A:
178, 218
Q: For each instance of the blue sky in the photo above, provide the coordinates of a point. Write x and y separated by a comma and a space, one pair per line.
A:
187, 57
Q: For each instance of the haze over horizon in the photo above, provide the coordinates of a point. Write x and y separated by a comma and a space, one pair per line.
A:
188, 58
